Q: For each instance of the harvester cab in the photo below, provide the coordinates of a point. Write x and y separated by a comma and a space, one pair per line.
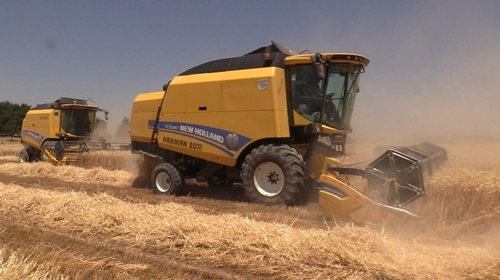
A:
60, 131
274, 120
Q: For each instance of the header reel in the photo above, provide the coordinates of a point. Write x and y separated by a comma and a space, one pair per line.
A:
395, 179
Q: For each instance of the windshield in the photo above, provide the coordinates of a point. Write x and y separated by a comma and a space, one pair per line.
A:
79, 122
341, 87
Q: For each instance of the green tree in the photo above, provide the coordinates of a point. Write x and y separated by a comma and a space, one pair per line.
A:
11, 117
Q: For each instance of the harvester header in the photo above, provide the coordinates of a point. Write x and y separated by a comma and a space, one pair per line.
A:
395, 179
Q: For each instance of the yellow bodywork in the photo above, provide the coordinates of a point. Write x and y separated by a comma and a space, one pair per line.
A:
42, 125
144, 108
199, 111
337, 57
196, 106
341, 202
39, 125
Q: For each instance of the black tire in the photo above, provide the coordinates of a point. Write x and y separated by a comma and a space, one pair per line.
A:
55, 149
166, 179
24, 156
35, 155
47, 147
263, 168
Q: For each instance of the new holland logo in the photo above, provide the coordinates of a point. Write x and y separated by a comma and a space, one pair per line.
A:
226, 141
38, 137
232, 142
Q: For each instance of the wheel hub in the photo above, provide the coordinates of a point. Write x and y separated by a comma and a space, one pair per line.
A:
163, 182
273, 178
269, 179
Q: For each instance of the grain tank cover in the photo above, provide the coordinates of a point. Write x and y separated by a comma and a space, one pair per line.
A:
68, 100
61, 101
268, 56
275, 47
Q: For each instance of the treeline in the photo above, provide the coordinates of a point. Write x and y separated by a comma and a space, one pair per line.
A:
122, 132
11, 117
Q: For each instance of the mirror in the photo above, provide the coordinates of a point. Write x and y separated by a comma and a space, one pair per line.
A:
319, 70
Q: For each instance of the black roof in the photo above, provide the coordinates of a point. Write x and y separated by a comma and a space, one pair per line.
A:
275, 47
59, 102
254, 59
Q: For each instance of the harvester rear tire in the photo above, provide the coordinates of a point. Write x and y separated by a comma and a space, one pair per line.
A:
274, 175
24, 156
166, 179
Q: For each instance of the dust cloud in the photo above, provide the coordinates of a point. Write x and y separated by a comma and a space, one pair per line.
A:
432, 73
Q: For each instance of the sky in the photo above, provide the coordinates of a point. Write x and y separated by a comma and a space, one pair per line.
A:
432, 72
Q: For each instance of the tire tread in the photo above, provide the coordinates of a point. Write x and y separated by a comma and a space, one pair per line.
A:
293, 167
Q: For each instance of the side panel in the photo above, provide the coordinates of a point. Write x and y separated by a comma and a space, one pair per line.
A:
300, 120
254, 90
215, 137
175, 101
144, 109
258, 89
39, 125
239, 107
203, 94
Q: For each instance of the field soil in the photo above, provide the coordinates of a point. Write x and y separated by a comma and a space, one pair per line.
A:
86, 221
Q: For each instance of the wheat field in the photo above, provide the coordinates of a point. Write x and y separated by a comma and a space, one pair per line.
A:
87, 222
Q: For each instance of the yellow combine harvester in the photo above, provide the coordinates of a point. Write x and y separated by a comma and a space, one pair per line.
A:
260, 120
59, 132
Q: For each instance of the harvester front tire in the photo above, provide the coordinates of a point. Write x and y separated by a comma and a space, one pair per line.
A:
274, 175
54, 151
24, 156
47, 147
166, 179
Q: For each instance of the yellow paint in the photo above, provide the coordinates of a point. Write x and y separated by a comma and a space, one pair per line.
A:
307, 58
46, 123
144, 108
251, 103
348, 205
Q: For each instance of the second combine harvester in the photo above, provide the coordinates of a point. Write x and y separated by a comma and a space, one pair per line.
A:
258, 119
